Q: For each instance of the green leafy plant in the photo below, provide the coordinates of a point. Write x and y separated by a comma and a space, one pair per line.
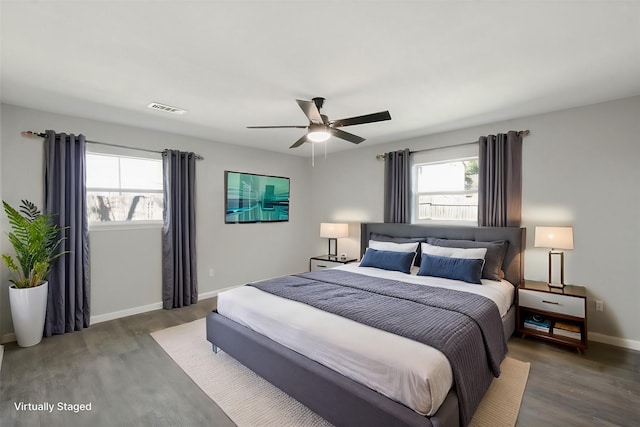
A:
35, 239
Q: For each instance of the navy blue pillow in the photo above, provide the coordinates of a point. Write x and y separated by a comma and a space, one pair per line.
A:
388, 260
492, 260
385, 238
467, 270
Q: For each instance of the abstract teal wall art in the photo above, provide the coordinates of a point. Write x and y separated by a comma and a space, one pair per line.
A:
251, 198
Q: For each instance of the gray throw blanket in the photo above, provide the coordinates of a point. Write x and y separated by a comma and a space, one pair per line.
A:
465, 327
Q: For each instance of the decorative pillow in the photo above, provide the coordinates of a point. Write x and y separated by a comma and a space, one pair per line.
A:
472, 253
388, 260
386, 238
494, 258
396, 247
393, 247
466, 269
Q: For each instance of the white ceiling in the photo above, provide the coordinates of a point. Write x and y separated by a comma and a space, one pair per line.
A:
435, 65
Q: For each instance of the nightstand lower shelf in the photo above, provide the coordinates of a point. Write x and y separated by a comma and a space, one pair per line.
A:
580, 344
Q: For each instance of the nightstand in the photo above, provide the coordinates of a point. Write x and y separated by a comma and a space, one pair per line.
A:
328, 261
553, 314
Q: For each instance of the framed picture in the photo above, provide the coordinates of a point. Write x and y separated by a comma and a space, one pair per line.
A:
251, 198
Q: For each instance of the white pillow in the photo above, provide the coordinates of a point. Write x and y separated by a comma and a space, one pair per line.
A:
471, 253
394, 247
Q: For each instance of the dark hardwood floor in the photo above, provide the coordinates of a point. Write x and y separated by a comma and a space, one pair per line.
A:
130, 381
117, 367
598, 388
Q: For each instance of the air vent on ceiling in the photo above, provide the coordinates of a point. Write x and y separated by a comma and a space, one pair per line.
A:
166, 108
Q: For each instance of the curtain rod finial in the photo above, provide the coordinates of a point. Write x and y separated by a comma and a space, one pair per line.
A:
31, 134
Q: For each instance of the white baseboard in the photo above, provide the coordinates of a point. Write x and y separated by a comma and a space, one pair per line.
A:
212, 294
11, 337
7, 338
124, 313
145, 308
617, 341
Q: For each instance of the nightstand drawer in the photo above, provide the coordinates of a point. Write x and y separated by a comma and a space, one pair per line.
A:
321, 265
563, 304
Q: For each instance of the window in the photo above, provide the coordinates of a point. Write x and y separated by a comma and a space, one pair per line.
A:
445, 184
122, 188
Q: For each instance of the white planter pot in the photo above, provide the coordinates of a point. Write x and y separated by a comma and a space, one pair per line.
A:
28, 309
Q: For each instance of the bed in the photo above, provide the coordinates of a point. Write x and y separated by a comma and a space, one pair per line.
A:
334, 391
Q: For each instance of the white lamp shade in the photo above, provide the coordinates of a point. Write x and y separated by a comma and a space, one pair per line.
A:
334, 231
554, 237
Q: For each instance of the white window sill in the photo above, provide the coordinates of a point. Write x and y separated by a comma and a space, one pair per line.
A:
446, 222
124, 225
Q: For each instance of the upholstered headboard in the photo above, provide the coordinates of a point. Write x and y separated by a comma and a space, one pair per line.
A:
513, 264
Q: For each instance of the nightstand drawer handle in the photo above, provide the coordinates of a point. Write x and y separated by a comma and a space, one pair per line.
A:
550, 302
321, 266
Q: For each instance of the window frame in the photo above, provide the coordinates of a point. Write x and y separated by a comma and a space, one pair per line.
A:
443, 156
132, 224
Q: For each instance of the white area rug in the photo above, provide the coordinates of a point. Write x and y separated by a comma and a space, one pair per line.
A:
251, 401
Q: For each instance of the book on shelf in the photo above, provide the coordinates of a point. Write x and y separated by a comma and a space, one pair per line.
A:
535, 326
537, 322
540, 324
571, 327
569, 330
567, 334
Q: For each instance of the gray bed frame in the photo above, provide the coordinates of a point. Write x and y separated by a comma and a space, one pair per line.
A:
338, 399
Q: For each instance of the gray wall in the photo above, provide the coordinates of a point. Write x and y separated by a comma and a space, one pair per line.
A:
125, 264
580, 169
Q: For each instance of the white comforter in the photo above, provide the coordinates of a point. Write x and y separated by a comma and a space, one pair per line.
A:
404, 370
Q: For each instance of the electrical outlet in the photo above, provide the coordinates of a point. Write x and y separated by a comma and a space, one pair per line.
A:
211, 272
599, 306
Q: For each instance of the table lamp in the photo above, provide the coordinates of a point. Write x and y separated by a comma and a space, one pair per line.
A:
556, 238
333, 232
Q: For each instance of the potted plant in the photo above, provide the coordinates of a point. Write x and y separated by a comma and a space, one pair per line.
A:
35, 239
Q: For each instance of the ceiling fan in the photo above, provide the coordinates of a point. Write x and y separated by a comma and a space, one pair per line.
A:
320, 128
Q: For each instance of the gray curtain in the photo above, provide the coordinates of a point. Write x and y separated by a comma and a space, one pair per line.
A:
179, 272
65, 198
397, 186
500, 180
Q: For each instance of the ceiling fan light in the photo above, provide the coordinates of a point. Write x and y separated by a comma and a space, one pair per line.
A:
318, 136
318, 133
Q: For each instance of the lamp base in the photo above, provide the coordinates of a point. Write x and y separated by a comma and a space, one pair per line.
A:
335, 247
554, 280
556, 285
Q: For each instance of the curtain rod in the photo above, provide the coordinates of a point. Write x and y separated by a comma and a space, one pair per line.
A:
382, 156
32, 134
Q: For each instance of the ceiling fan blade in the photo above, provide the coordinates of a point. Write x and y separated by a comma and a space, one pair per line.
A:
360, 120
346, 136
299, 142
310, 110
276, 127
